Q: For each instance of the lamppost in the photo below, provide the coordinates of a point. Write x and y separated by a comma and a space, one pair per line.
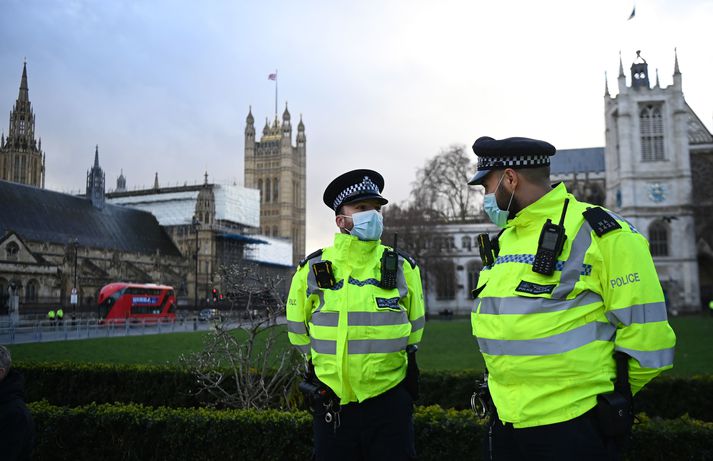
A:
74, 298
196, 225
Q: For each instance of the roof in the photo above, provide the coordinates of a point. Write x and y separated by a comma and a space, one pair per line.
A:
42, 215
584, 160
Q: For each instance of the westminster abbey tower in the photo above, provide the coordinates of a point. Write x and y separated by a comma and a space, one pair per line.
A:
277, 168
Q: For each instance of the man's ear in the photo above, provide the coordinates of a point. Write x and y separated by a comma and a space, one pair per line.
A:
511, 177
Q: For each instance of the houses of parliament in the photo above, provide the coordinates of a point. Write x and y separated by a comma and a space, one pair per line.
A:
52, 243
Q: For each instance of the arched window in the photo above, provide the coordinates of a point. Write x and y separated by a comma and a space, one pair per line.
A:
651, 132
275, 189
31, 291
466, 243
268, 191
12, 249
262, 193
658, 238
274, 231
445, 280
474, 268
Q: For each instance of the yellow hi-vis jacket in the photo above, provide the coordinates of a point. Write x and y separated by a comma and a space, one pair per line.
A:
548, 341
356, 332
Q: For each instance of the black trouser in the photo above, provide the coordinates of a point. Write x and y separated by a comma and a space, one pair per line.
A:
576, 439
380, 428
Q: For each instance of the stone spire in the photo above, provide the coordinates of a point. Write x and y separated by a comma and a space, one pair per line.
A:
155, 181
95, 182
677, 78
606, 84
121, 182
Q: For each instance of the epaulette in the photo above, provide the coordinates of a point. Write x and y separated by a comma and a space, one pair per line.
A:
601, 221
407, 257
310, 256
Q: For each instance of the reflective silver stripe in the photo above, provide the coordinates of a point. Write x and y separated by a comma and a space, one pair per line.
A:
401, 279
298, 328
311, 278
325, 319
418, 323
305, 349
651, 359
526, 305
555, 344
641, 313
572, 269
324, 346
376, 346
377, 318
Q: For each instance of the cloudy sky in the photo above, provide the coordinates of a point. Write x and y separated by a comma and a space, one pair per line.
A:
165, 85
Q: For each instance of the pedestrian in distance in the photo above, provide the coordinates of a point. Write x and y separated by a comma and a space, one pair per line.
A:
356, 311
60, 315
17, 429
569, 313
51, 316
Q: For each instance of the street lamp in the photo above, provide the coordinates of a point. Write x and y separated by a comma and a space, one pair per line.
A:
73, 300
196, 225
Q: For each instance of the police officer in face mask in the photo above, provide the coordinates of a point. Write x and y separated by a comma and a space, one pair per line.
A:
356, 311
566, 344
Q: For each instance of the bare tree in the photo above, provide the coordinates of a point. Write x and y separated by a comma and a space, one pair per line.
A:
243, 363
442, 186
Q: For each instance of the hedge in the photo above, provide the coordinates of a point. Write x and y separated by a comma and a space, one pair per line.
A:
136, 432
81, 384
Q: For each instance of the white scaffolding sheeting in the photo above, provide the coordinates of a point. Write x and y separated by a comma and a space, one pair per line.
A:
276, 251
232, 203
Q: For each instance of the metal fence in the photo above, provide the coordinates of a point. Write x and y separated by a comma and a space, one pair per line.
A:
31, 330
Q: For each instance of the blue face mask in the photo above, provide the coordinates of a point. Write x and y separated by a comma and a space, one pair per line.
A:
490, 205
368, 225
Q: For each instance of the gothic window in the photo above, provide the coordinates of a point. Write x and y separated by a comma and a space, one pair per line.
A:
474, 268
12, 249
466, 243
31, 291
445, 280
267, 190
274, 231
262, 193
651, 131
23, 169
658, 239
275, 189
16, 169
22, 126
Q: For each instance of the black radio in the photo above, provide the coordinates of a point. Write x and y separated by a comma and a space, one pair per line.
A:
550, 245
389, 267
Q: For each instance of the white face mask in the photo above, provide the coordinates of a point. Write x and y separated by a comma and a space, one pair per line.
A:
368, 225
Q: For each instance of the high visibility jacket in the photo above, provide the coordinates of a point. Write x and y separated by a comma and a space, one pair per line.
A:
356, 332
548, 340
60, 314
50, 315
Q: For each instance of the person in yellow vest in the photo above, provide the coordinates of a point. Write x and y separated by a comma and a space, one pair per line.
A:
51, 316
60, 315
569, 313
356, 311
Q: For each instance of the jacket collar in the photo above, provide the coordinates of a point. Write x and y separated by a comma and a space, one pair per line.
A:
548, 206
350, 247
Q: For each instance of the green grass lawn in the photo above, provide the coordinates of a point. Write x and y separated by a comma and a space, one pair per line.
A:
446, 345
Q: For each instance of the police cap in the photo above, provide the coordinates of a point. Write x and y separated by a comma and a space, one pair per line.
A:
509, 153
354, 186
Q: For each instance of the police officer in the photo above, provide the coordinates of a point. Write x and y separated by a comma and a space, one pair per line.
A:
51, 316
565, 286
354, 309
60, 315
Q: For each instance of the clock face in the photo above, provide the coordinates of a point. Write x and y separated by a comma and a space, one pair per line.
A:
657, 192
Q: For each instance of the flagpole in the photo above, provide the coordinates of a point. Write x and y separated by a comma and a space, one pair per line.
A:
275, 94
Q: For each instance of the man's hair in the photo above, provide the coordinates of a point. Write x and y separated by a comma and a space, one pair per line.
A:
5, 358
536, 175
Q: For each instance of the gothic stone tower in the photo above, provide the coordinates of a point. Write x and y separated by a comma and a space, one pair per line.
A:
277, 168
648, 171
96, 183
21, 156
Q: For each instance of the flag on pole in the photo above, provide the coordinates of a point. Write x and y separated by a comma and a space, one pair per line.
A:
272, 77
633, 13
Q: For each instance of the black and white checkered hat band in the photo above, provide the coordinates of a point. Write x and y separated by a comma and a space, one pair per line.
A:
522, 161
366, 185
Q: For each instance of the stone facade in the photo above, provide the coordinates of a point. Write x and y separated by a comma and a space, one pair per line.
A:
278, 169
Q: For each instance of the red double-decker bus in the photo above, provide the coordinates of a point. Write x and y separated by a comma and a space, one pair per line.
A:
136, 301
